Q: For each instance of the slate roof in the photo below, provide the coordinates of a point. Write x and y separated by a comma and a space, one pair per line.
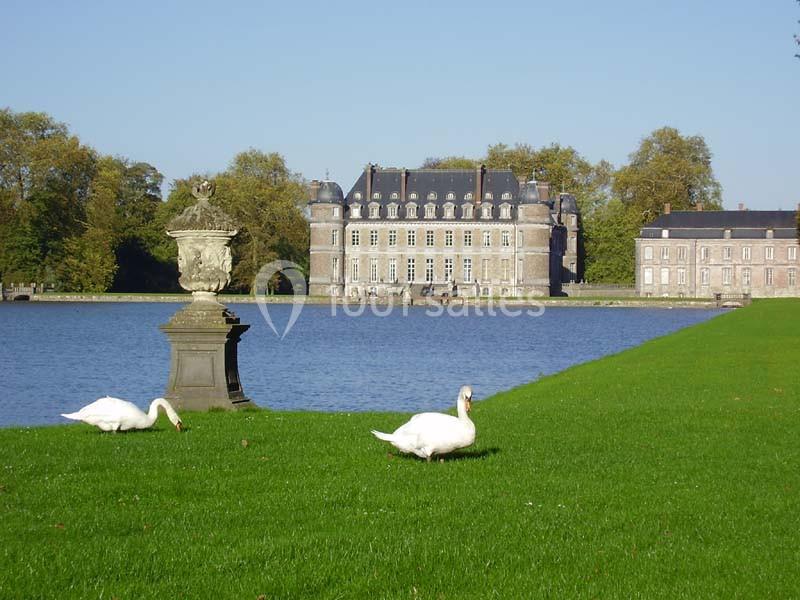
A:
743, 224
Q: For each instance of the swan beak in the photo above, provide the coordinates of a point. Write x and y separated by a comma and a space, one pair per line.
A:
179, 426
469, 404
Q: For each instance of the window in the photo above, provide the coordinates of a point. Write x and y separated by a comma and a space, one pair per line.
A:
664, 275
664, 252
392, 211
374, 211
505, 268
792, 253
768, 278
770, 252
746, 253
373, 270
354, 270
393, 237
648, 253
770, 234
705, 276
448, 269
429, 238
467, 270
467, 238
648, 275
355, 211
727, 234
792, 277
357, 196
412, 196
392, 270
335, 211
451, 196
573, 220
449, 211
487, 196
373, 237
430, 211
573, 269
485, 269
505, 211
411, 238
665, 233
681, 276
448, 239
506, 237
520, 239
683, 251
727, 276
726, 253
411, 270
468, 196
355, 236
431, 195
487, 239
376, 195
466, 211
746, 277
429, 270
394, 196
335, 268
486, 211
334, 237
704, 253
411, 211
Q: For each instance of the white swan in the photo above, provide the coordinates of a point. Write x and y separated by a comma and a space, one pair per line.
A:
113, 414
427, 434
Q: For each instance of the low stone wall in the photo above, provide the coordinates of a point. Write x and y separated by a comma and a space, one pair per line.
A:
583, 290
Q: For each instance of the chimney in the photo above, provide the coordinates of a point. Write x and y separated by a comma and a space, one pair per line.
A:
314, 189
480, 170
699, 207
741, 205
368, 170
544, 190
667, 208
403, 183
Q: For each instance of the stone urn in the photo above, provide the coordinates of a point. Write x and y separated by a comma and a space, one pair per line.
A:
204, 335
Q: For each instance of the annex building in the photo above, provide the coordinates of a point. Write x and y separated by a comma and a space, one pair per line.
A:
460, 232
703, 253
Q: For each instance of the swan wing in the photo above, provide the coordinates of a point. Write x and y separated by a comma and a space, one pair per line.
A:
436, 433
109, 413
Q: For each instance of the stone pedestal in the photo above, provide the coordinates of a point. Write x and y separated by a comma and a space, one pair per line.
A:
204, 370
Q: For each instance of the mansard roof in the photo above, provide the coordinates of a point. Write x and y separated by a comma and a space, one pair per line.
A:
743, 224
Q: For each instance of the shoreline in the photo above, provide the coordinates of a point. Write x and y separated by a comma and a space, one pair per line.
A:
667, 303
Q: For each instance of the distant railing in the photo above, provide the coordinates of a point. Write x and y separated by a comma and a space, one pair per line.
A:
732, 300
20, 291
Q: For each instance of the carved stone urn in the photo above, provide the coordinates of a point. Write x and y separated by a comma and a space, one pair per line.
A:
204, 335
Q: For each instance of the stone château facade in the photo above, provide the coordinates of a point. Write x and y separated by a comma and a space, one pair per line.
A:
700, 254
462, 232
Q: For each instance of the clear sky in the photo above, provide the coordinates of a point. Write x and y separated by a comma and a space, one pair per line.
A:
334, 85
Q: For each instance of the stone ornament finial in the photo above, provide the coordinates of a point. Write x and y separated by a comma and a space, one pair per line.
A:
204, 190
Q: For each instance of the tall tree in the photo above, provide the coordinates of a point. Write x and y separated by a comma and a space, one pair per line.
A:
609, 237
449, 162
668, 168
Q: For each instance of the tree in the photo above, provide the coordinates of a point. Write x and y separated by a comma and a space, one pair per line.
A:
450, 162
668, 168
609, 237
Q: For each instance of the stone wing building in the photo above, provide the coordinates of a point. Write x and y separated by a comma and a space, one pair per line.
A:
461, 232
700, 254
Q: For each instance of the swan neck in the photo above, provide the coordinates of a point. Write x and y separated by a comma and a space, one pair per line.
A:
462, 409
152, 414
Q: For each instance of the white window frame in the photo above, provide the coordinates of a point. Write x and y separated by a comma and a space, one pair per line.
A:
705, 276
506, 239
467, 211
392, 238
355, 237
355, 211
448, 238
727, 253
334, 237
448, 269
373, 237
791, 253
769, 276
374, 211
664, 252
746, 253
648, 253
411, 270
430, 211
354, 270
747, 277
467, 264
664, 276
430, 238
486, 238
411, 211
373, 270
648, 276
769, 253
468, 238
411, 237
429, 270
392, 270
727, 276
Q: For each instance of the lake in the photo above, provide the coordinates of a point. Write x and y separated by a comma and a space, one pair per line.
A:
57, 357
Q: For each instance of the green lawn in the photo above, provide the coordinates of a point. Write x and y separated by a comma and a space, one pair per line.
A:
671, 470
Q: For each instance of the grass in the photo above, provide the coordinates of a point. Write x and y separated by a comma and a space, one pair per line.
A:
670, 470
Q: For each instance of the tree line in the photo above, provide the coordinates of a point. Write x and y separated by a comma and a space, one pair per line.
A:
615, 203
86, 222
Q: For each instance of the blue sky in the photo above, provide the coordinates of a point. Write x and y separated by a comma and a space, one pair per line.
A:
334, 85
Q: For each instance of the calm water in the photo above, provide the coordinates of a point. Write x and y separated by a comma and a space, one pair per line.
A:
55, 358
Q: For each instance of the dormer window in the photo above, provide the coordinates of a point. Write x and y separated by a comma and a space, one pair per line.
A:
727, 234
506, 195
394, 196
431, 195
411, 211
374, 210
451, 195
505, 211
486, 211
355, 211
430, 211
391, 211
412, 196
770, 234
468, 196
466, 211
488, 196
376, 196
357, 196
449, 211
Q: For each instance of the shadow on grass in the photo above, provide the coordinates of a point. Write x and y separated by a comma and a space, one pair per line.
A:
455, 456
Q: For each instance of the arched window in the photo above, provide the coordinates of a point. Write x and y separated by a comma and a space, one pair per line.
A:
506, 195
394, 196
355, 211
357, 196
449, 211
451, 195
430, 211
374, 210
412, 196
488, 196
411, 211
468, 196
466, 211
376, 195
486, 211
431, 195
